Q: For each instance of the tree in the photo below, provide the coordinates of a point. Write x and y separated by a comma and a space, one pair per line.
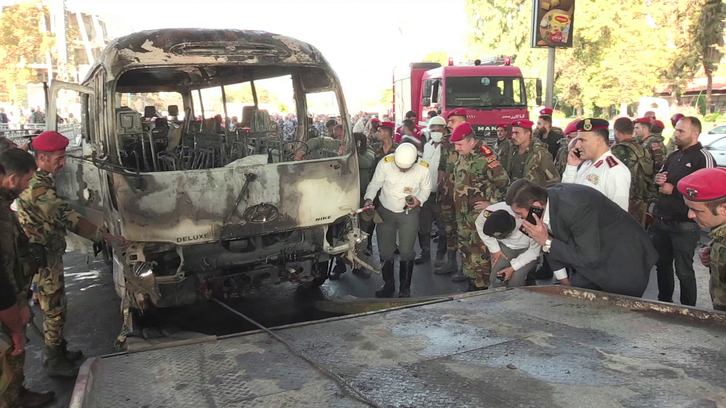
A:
386, 97
21, 43
437, 56
708, 41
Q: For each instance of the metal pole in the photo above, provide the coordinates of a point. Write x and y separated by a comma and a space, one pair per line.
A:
550, 91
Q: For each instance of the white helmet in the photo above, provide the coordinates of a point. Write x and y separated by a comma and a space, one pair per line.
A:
405, 156
437, 120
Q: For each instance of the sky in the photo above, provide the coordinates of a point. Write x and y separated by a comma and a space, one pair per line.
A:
362, 40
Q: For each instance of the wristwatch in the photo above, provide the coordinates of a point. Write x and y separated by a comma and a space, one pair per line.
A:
547, 245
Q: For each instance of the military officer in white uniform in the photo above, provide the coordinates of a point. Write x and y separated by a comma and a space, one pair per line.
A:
405, 185
598, 168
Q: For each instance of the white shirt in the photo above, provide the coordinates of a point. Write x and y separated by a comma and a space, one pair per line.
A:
517, 240
432, 156
396, 185
560, 273
607, 175
359, 126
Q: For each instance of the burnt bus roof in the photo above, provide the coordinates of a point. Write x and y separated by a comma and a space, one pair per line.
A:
201, 47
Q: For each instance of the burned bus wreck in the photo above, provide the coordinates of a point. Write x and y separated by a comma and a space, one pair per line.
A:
209, 207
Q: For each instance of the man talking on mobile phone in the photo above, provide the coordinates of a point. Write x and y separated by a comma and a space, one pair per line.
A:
580, 229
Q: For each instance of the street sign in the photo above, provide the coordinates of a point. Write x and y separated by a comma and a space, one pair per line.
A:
552, 22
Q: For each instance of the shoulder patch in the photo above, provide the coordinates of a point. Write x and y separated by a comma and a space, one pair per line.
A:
487, 213
611, 161
598, 164
388, 159
655, 146
491, 159
486, 150
423, 163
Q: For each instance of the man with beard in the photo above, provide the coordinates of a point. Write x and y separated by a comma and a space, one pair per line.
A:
548, 134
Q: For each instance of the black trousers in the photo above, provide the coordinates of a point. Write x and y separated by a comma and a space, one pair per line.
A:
676, 244
430, 213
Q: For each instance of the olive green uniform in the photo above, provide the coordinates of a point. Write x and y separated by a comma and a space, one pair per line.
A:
535, 165
717, 283
655, 145
642, 183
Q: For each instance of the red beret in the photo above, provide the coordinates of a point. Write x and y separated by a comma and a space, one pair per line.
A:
571, 127
642, 120
523, 123
389, 125
589, 124
704, 185
456, 112
676, 117
50, 141
657, 123
502, 125
545, 112
462, 130
375, 120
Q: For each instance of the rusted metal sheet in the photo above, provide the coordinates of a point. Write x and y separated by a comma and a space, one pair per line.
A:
549, 347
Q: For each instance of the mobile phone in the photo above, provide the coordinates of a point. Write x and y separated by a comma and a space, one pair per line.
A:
500, 277
578, 153
534, 210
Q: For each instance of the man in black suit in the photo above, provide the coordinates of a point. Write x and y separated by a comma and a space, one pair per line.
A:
604, 247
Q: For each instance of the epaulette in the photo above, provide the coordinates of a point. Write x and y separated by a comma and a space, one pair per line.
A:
611, 161
388, 158
486, 150
487, 213
423, 163
598, 164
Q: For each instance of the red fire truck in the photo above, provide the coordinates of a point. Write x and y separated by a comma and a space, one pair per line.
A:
491, 90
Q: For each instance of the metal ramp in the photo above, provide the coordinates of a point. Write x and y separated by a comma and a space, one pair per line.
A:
533, 347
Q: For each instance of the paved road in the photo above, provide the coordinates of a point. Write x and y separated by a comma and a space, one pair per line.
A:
94, 320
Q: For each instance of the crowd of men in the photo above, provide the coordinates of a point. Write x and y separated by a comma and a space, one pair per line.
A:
591, 214
543, 202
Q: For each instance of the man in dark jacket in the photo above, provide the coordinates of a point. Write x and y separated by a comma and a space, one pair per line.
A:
605, 248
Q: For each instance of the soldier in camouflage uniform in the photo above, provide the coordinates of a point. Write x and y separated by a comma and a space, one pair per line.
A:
530, 159
653, 143
18, 269
704, 192
640, 164
45, 219
561, 157
449, 157
479, 181
504, 144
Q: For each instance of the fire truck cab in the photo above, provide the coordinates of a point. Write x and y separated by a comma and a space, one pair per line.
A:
491, 90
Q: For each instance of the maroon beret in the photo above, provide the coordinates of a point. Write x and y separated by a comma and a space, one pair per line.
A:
389, 125
704, 185
523, 123
50, 141
376, 121
502, 125
456, 112
545, 112
462, 130
643, 120
676, 117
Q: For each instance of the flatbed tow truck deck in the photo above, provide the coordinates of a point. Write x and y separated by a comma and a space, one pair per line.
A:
548, 346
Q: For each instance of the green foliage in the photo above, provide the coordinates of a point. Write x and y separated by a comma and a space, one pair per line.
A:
283, 108
622, 49
243, 93
437, 56
713, 117
386, 97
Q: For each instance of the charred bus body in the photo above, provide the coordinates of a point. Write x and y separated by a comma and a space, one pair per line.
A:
208, 207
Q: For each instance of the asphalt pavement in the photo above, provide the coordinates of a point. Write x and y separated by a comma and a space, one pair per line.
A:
94, 319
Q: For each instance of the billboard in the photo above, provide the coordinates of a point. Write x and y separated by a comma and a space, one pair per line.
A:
552, 23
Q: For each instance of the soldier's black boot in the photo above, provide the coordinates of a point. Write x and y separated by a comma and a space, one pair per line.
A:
425, 242
405, 273
58, 364
450, 266
389, 281
440, 260
472, 286
29, 399
72, 355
